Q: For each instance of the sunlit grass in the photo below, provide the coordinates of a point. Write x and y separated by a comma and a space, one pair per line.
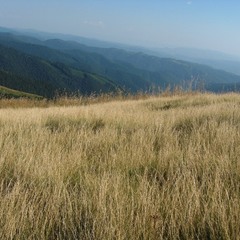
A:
152, 168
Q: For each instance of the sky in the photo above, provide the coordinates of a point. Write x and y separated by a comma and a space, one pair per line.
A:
207, 24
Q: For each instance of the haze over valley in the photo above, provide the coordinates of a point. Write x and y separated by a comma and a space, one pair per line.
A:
46, 64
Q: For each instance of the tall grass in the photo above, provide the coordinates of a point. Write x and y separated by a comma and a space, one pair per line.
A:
158, 168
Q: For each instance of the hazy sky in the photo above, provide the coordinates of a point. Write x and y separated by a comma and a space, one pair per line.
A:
210, 24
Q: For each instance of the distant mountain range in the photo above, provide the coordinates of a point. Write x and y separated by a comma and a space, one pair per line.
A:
211, 58
37, 63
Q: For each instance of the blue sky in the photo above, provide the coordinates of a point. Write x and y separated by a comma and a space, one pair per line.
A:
208, 24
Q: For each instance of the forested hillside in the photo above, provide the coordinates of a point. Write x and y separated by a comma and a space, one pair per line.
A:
36, 75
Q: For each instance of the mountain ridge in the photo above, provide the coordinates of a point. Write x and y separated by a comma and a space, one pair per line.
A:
73, 67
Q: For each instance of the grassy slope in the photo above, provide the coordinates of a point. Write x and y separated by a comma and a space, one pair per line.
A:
161, 168
11, 93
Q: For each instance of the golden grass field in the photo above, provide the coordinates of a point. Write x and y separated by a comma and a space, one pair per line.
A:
159, 168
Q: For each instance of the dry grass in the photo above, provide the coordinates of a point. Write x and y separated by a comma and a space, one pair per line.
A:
158, 168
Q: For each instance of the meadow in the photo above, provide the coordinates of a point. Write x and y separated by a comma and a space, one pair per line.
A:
160, 167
